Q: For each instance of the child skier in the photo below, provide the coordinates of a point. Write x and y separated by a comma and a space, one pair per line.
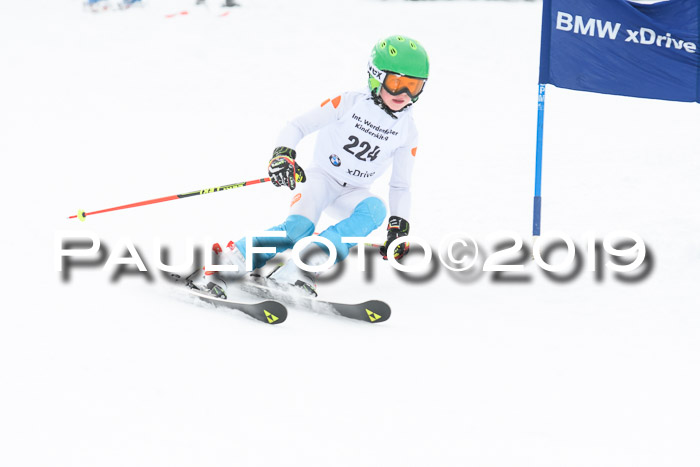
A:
360, 135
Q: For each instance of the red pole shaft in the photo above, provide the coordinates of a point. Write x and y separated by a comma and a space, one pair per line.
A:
127, 206
82, 215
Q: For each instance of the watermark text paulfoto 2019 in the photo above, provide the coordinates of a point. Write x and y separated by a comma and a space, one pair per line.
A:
622, 252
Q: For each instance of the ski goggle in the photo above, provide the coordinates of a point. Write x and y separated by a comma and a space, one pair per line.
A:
396, 84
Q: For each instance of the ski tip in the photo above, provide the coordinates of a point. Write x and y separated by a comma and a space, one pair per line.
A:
273, 312
268, 311
376, 311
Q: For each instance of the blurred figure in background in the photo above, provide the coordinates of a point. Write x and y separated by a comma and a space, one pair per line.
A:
226, 3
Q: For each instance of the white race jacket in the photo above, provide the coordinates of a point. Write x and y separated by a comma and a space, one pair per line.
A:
358, 141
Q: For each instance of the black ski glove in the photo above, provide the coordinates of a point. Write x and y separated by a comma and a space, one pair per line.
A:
283, 170
397, 227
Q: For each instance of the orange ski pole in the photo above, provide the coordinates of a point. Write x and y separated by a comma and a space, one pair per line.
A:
82, 214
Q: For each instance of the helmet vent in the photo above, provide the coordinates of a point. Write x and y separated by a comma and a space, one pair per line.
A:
392, 51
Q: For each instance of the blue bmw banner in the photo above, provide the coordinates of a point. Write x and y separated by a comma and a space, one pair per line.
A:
622, 47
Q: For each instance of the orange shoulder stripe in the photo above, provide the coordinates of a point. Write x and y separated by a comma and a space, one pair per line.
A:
335, 102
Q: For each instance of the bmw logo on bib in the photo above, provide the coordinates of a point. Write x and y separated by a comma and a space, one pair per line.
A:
335, 160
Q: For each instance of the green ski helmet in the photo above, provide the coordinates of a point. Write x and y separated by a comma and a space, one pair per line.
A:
400, 55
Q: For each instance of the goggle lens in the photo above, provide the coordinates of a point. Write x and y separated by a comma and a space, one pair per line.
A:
397, 84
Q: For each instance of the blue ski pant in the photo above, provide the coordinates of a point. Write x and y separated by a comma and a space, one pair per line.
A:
360, 211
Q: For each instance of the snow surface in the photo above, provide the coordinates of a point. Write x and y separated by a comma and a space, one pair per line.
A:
99, 110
